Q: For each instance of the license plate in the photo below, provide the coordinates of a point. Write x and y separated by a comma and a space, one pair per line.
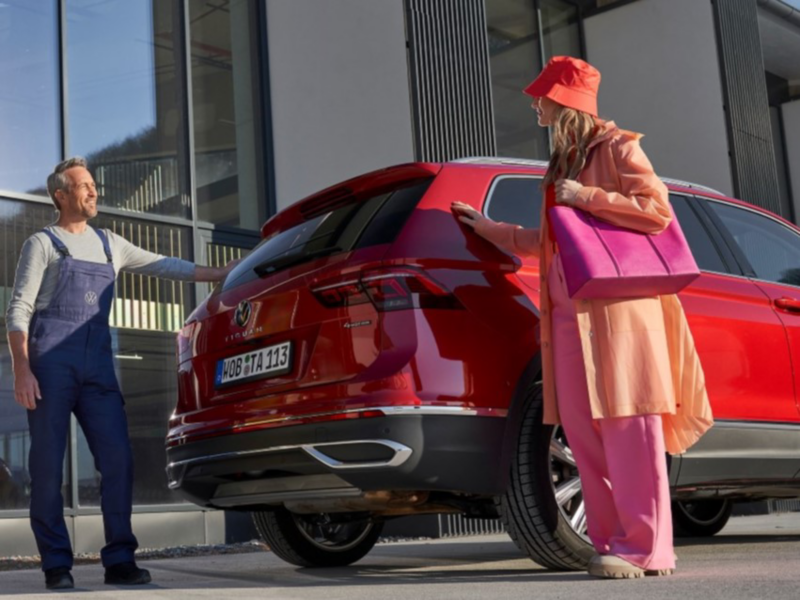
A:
266, 362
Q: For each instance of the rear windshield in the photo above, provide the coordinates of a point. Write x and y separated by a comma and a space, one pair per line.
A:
358, 224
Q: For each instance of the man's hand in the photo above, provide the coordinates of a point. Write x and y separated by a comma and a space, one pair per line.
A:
214, 273
230, 267
466, 214
26, 388
567, 191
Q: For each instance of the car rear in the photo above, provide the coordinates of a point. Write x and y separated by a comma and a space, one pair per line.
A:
348, 363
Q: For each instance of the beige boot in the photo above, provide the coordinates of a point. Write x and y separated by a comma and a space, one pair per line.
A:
613, 567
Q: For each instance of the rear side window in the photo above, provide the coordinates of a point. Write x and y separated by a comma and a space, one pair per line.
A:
771, 248
347, 226
703, 248
516, 200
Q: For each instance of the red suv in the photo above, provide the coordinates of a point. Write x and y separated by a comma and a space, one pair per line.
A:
371, 358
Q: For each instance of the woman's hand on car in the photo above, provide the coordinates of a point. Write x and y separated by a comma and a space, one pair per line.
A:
466, 214
567, 191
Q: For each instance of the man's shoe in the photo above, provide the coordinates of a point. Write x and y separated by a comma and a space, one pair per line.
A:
58, 578
126, 574
613, 567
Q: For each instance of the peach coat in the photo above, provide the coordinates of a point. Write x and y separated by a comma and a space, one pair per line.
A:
638, 354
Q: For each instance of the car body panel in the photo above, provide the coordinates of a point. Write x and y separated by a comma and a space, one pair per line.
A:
358, 368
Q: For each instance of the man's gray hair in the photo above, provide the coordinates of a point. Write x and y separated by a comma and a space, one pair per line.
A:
57, 181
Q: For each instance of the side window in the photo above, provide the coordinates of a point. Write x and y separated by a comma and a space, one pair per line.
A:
703, 248
772, 248
516, 200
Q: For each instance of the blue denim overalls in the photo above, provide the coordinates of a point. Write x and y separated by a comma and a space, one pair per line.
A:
70, 355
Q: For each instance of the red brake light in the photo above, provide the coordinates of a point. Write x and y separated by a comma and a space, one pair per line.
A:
184, 341
388, 289
346, 293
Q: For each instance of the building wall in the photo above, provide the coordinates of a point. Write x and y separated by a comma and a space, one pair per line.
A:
339, 91
661, 77
161, 529
791, 127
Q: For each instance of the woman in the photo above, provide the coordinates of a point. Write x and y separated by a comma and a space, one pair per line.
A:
643, 391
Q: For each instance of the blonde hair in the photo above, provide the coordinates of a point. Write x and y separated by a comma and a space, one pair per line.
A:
573, 130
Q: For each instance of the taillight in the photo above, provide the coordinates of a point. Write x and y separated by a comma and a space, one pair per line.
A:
184, 341
388, 289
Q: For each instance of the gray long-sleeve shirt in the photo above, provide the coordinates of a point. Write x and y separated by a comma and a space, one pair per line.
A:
38, 268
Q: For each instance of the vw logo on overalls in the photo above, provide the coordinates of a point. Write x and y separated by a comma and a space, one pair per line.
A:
91, 298
242, 314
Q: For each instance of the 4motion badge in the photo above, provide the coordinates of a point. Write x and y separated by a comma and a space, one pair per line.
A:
357, 324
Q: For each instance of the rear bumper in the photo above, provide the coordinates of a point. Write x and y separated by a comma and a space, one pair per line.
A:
342, 458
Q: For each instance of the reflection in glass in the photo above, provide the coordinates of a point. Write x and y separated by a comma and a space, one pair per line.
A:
15, 440
146, 372
142, 302
516, 200
560, 28
224, 102
124, 108
703, 249
30, 123
515, 59
771, 248
18, 220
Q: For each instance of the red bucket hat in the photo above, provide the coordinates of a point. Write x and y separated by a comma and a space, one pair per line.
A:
569, 81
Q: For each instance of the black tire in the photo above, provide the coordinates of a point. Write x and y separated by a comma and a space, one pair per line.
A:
700, 518
317, 540
535, 521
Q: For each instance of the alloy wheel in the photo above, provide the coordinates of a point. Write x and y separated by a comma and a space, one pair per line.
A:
566, 483
326, 534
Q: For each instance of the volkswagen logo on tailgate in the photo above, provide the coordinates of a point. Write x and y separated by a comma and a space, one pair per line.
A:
242, 314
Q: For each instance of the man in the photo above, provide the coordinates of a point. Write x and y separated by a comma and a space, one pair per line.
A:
60, 344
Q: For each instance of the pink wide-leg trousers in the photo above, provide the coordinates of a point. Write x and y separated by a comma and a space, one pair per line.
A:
621, 461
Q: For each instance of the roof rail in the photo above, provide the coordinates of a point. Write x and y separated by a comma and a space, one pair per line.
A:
502, 160
694, 186
529, 162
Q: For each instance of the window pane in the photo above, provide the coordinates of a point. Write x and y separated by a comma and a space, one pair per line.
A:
124, 105
515, 59
142, 302
30, 124
516, 200
700, 242
219, 255
18, 220
560, 27
146, 370
224, 93
354, 223
772, 249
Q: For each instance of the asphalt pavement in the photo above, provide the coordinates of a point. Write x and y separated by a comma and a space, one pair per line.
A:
753, 558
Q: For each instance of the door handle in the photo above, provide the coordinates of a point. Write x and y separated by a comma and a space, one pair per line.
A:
788, 304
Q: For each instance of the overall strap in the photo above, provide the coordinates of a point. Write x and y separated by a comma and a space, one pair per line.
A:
60, 247
103, 238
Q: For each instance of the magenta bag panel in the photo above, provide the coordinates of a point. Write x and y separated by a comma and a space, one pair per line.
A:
602, 260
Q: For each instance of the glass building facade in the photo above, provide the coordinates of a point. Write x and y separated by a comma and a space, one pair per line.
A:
163, 98
523, 35
166, 99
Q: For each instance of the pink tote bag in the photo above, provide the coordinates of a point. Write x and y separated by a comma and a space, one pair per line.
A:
602, 260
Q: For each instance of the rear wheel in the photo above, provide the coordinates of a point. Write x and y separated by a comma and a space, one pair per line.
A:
321, 540
700, 518
543, 506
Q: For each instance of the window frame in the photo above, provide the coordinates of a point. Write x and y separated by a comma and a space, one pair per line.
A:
712, 229
496, 181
